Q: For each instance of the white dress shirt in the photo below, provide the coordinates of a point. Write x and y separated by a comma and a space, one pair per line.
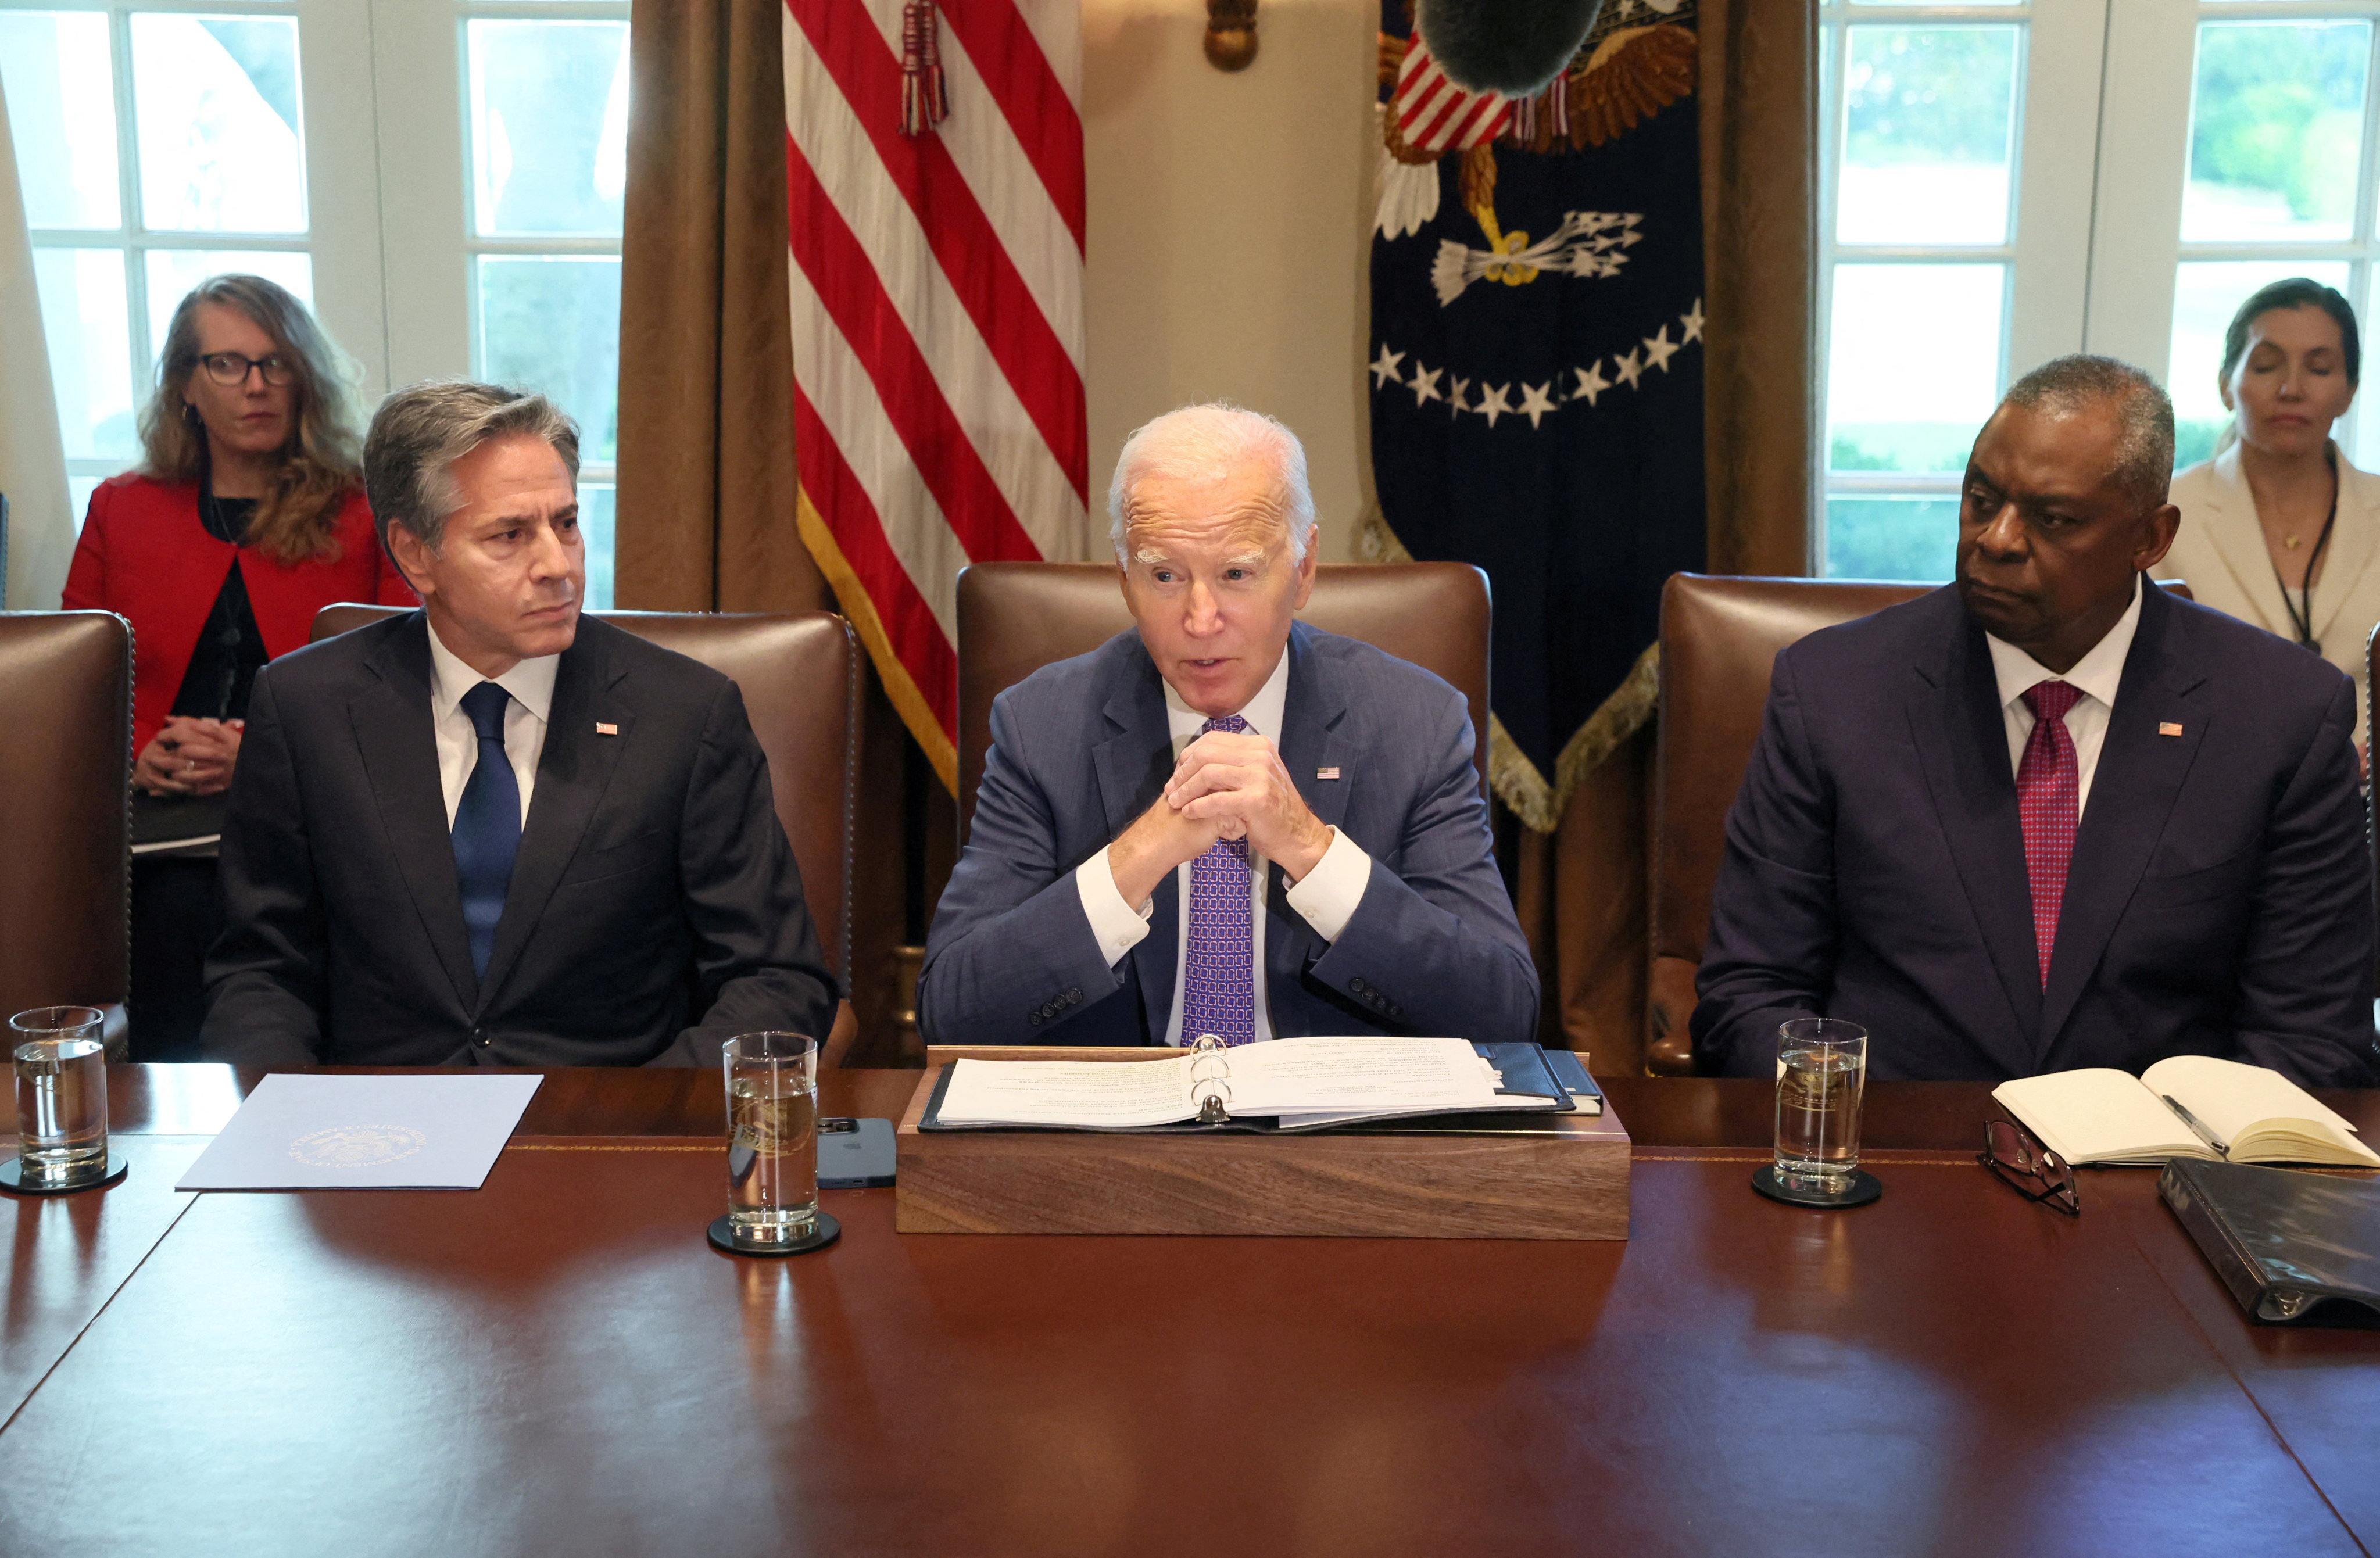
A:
2097, 675
532, 686
1326, 899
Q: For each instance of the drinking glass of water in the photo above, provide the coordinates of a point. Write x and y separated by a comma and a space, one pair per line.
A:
61, 1097
1821, 1074
772, 1200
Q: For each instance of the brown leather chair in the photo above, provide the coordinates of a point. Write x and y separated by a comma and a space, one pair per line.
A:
1014, 618
800, 674
1719, 639
66, 832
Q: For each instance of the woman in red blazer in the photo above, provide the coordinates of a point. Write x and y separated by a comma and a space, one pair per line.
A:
282, 457
244, 518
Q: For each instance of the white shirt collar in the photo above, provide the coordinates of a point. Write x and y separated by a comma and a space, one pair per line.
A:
1263, 711
531, 683
2099, 674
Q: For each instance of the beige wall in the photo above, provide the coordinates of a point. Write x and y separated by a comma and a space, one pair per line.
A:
1230, 230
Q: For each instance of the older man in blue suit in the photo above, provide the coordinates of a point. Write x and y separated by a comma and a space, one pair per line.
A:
1224, 821
2051, 816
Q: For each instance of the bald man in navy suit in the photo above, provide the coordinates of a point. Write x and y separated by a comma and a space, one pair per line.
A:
2051, 816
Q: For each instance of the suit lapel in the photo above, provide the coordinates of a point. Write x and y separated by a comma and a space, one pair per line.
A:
2239, 542
1133, 764
2354, 542
572, 771
1953, 710
2133, 789
1309, 729
392, 731
1310, 740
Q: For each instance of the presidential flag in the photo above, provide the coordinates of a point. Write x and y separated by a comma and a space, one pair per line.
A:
934, 188
1535, 371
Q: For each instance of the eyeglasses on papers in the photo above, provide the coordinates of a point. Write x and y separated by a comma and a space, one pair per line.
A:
2028, 1167
230, 368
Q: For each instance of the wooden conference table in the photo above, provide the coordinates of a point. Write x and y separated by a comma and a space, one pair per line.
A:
559, 1364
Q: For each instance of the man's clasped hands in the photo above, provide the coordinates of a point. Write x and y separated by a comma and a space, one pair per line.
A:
1224, 786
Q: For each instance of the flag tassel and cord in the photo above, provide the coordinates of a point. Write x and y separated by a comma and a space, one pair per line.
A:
925, 102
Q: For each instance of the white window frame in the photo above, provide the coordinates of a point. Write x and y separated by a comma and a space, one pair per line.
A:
2048, 250
2136, 244
385, 140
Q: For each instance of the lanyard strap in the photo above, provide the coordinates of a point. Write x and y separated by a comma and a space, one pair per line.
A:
2301, 609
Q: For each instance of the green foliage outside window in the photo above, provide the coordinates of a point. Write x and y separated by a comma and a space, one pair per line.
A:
1930, 95
2280, 109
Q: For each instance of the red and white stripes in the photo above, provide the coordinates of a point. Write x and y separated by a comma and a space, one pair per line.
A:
936, 284
1434, 115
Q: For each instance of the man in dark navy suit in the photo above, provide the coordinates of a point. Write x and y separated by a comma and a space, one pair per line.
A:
2051, 816
1223, 821
492, 831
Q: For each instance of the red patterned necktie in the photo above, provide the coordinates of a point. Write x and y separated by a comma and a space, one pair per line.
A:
2047, 800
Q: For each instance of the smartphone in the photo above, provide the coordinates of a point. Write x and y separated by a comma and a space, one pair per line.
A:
853, 1154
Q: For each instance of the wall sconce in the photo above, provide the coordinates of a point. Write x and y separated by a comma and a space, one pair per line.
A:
1231, 33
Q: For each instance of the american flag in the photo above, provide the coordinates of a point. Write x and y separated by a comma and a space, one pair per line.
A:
1434, 115
936, 282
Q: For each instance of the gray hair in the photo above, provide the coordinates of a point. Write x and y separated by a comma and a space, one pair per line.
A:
2064, 386
421, 430
1208, 441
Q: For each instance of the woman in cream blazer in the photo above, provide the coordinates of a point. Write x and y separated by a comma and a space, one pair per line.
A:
2279, 493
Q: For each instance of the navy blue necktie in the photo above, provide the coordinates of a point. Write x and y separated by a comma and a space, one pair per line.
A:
487, 824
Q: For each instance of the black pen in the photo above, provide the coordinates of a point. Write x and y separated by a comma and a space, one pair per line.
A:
2192, 1121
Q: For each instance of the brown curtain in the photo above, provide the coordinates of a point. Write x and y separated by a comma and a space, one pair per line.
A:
1582, 892
1758, 94
706, 496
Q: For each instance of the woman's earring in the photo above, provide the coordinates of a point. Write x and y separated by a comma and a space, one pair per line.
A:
190, 416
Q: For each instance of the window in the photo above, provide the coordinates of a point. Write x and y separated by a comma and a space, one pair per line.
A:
2003, 182
442, 182
1954, 228
2255, 128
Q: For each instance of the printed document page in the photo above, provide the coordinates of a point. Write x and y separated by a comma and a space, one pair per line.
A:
1370, 1073
1090, 1093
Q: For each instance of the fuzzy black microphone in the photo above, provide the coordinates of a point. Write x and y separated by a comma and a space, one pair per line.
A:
1509, 46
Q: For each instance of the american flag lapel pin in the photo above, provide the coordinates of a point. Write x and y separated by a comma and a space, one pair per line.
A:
1326, 773
2168, 728
603, 729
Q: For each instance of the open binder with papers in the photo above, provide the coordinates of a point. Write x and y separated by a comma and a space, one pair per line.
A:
1285, 1085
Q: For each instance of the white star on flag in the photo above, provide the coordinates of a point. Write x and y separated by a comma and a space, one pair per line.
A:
1537, 400
1693, 323
1454, 397
1384, 367
1591, 381
1630, 368
1492, 402
1660, 349
1424, 383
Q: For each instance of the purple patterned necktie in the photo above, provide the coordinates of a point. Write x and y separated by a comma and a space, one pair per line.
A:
1218, 973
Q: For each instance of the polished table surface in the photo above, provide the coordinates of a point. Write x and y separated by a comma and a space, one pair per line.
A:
558, 1363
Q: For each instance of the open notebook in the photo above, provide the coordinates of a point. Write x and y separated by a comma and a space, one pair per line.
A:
2253, 1113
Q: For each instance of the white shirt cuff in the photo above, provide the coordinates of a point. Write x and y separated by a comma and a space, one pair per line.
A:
1117, 924
1326, 898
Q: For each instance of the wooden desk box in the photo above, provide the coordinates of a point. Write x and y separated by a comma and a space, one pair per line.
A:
1422, 1185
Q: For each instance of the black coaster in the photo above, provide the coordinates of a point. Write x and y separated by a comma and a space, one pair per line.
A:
1864, 1188
826, 1231
16, 1182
